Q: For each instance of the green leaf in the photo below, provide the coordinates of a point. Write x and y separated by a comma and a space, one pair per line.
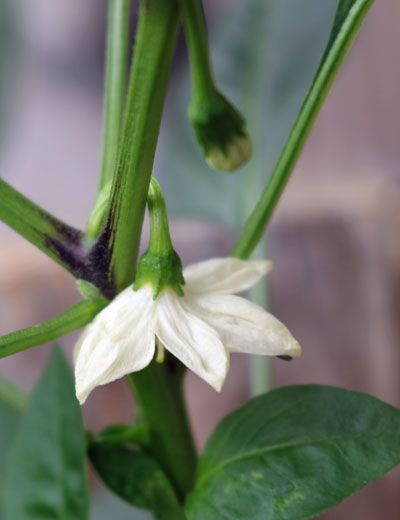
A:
137, 478
293, 453
12, 396
46, 476
74, 318
123, 433
266, 53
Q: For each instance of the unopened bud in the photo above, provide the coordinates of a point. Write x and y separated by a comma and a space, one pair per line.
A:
221, 132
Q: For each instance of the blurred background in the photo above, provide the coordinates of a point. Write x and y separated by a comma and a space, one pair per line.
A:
334, 238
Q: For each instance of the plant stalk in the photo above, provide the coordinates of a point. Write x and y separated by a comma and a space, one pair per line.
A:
61, 242
154, 50
158, 388
159, 393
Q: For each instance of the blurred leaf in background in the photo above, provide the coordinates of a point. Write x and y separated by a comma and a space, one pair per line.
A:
46, 472
265, 54
13, 402
107, 506
8, 56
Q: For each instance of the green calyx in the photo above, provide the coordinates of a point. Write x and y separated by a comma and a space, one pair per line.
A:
160, 266
161, 272
221, 132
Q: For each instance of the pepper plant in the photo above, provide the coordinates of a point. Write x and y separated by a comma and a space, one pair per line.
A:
290, 453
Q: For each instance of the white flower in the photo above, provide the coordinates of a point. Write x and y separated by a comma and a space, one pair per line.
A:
200, 329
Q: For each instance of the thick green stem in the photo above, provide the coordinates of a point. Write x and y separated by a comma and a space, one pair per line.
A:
158, 390
155, 45
119, 12
347, 23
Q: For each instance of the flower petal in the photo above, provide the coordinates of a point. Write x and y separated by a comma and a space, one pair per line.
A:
246, 327
224, 275
191, 340
120, 340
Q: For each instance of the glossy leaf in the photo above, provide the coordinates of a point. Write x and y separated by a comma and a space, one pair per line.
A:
46, 469
265, 54
137, 478
293, 453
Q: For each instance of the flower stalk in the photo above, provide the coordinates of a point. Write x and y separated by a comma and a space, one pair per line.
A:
219, 127
160, 266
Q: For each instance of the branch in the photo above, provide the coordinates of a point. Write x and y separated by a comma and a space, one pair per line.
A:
56, 239
74, 318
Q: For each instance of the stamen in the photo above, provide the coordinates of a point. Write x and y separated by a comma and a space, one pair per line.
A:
160, 357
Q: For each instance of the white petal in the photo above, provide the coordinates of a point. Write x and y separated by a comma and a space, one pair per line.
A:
224, 275
246, 327
191, 340
120, 340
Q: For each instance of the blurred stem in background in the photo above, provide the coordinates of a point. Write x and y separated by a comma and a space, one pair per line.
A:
119, 13
260, 366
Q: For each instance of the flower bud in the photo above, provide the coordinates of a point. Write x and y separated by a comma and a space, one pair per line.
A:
221, 132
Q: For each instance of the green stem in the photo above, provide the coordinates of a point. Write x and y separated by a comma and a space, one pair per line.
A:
197, 42
158, 390
160, 239
155, 45
56, 239
337, 49
119, 12
74, 318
